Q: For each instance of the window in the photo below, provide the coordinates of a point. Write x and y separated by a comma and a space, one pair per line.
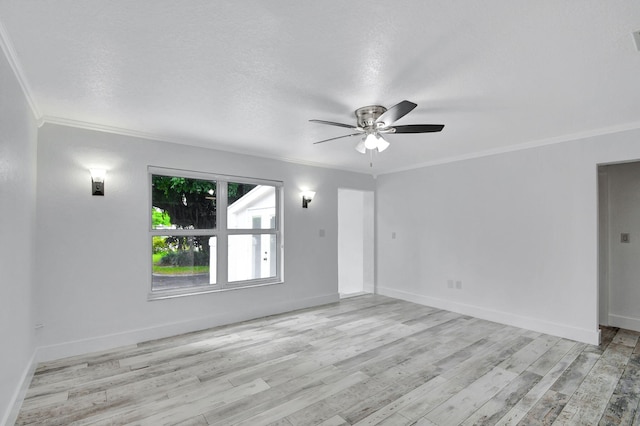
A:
212, 232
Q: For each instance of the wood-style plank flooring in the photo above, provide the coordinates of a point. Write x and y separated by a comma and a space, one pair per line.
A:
367, 360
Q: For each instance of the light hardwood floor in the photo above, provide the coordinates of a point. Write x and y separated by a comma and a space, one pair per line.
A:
366, 360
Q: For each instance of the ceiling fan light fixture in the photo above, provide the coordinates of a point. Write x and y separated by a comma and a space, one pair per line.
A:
371, 141
382, 144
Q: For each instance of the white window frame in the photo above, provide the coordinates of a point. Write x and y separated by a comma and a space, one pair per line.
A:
221, 232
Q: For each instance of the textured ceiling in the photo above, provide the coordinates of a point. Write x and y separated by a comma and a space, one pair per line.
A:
247, 76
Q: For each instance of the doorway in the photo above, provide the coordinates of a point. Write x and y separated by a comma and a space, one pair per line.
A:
619, 245
355, 242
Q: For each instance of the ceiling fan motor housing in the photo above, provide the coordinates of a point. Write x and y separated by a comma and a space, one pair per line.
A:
368, 115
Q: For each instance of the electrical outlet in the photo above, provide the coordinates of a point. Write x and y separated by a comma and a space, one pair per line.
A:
450, 283
458, 285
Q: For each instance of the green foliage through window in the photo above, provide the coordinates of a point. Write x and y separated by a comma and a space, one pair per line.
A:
189, 203
160, 218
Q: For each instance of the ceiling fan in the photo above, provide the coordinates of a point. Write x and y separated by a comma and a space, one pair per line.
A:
375, 121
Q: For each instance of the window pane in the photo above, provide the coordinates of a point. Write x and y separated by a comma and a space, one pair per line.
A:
183, 203
252, 257
180, 262
251, 206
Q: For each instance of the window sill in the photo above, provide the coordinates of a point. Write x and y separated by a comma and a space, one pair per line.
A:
172, 294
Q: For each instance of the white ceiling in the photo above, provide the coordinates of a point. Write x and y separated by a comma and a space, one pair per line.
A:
246, 76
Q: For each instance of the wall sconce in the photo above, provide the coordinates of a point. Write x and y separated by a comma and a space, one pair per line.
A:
307, 196
97, 181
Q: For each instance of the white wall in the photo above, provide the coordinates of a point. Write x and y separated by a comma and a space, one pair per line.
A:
17, 223
603, 246
368, 223
519, 230
350, 241
355, 241
623, 266
93, 270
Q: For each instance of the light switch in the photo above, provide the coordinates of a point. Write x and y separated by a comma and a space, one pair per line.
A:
624, 238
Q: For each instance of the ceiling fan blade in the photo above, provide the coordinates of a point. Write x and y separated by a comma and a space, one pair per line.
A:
333, 123
396, 112
418, 128
339, 137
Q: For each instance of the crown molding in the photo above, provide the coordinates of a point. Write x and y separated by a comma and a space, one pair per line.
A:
69, 122
14, 63
521, 146
208, 145
61, 121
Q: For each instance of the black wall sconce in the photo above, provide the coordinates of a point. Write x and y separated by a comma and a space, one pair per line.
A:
307, 196
97, 181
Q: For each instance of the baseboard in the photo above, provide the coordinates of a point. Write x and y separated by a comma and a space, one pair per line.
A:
348, 295
621, 321
131, 337
15, 404
568, 332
